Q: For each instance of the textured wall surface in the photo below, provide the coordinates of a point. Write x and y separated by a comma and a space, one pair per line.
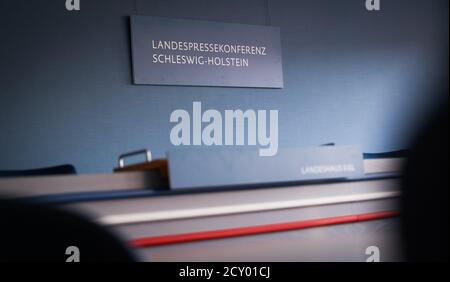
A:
351, 76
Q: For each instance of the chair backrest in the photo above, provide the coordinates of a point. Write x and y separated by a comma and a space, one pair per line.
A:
40, 233
55, 170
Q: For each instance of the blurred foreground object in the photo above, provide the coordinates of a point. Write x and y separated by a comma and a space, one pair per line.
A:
33, 233
425, 200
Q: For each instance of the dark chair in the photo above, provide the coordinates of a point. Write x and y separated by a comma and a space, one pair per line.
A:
55, 170
38, 233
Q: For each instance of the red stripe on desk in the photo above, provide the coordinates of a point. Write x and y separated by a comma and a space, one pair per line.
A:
254, 230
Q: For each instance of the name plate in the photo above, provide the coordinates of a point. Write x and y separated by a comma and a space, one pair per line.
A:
196, 168
204, 53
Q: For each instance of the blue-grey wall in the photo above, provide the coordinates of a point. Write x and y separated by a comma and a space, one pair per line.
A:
351, 77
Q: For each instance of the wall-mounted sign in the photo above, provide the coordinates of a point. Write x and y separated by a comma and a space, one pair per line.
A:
201, 53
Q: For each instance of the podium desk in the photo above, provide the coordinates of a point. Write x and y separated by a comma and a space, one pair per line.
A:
326, 221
